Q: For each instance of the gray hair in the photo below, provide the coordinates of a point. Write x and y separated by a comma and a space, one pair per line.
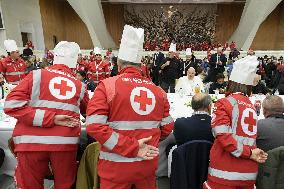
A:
127, 63
200, 101
273, 104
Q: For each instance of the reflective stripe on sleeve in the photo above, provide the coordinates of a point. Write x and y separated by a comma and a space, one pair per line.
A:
238, 152
245, 140
15, 73
132, 125
38, 119
166, 120
56, 105
14, 82
28, 139
112, 141
231, 175
14, 103
117, 158
220, 129
99, 119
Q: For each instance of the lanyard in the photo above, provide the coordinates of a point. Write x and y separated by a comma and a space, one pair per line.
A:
184, 67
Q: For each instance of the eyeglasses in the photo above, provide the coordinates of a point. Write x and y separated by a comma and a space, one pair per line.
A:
98, 55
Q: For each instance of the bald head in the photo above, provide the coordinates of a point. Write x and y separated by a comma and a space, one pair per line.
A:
272, 105
201, 102
191, 73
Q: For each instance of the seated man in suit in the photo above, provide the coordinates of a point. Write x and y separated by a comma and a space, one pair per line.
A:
198, 126
270, 131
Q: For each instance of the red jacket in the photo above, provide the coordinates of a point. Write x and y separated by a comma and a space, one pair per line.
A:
98, 70
82, 66
145, 71
34, 103
234, 127
126, 108
13, 71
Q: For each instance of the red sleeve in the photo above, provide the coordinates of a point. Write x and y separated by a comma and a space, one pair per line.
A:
167, 123
107, 71
97, 127
2, 68
222, 130
16, 105
84, 102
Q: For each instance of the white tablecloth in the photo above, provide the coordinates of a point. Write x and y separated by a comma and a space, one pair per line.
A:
6, 129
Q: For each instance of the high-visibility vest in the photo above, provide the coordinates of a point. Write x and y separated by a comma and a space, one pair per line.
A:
234, 126
36, 100
13, 71
126, 108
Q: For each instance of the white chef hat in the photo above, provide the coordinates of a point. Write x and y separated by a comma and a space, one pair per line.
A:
10, 45
173, 47
131, 46
66, 53
97, 50
244, 70
188, 52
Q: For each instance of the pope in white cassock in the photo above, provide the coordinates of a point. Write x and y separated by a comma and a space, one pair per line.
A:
187, 84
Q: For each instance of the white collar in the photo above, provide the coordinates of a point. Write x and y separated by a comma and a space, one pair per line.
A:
200, 112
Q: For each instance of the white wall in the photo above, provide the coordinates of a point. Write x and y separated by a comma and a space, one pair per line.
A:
91, 13
22, 16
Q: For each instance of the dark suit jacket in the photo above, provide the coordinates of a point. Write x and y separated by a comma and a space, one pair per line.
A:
214, 70
190, 165
196, 127
158, 59
270, 132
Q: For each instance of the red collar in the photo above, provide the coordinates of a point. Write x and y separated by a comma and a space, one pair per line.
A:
131, 70
63, 68
237, 93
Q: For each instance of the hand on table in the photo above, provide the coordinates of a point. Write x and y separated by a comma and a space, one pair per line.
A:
146, 151
66, 121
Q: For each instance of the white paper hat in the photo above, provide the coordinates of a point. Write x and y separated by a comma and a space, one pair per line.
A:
173, 48
66, 53
188, 52
244, 70
97, 50
10, 45
131, 46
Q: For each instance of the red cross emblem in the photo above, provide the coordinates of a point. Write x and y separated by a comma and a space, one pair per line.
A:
250, 121
143, 100
63, 87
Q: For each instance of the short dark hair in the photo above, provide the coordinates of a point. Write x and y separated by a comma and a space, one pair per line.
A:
234, 87
200, 101
127, 63
82, 73
220, 76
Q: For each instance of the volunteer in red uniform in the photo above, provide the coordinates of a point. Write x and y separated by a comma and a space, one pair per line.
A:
13, 68
47, 105
98, 69
82, 65
128, 114
234, 157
